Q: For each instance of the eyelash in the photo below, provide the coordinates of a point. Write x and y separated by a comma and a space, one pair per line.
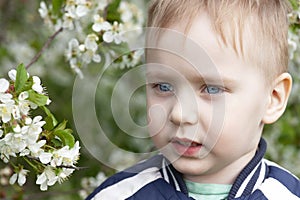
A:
159, 86
220, 90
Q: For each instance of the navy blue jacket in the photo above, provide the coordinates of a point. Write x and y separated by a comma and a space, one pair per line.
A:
156, 179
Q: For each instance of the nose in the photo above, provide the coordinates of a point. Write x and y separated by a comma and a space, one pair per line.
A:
184, 110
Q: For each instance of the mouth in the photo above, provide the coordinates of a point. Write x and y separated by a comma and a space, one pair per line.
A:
186, 147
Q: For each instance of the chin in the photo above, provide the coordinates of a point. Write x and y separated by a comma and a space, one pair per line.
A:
188, 166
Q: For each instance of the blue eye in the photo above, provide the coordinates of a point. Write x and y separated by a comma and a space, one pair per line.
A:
213, 89
165, 87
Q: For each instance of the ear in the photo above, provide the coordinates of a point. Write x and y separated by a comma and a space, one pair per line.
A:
279, 95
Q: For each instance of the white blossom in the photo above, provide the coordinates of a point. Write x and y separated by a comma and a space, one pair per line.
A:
64, 174
115, 34
16, 112
48, 101
36, 125
20, 176
45, 157
6, 110
15, 141
101, 4
100, 24
12, 74
23, 104
82, 9
37, 151
91, 47
91, 42
43, 10
5, 97
16, 128
47, 178
4, 85
66, 156
75, 66
68, 21
73, 48
32, 129
25, 152
89, 56
35, 148
126, 11
6, 151
78, 8
37, 84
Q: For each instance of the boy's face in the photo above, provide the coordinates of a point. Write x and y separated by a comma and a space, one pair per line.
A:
205, 117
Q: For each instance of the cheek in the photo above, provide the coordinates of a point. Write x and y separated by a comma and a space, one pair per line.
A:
213, 121
242, 125
156, 115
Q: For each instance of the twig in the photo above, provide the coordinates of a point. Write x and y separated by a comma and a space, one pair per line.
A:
105, 12
46, 45
73, 167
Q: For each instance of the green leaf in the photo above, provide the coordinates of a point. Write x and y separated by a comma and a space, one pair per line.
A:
21, 78
61, 126
57, 6
38, 99
66, 137
56, 142
28, 84
112, 14
51, 121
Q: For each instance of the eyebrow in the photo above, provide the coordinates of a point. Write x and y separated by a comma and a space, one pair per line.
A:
211, 79
208, 79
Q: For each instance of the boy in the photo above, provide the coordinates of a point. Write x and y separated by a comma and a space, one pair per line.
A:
216, 74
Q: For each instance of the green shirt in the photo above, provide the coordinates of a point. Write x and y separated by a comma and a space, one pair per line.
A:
201, 191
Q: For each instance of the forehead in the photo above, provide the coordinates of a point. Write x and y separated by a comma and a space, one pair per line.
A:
171, 47
197, 53
199, 42
165, 63
174, 47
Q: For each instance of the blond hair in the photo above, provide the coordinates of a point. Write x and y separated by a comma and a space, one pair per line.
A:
265, 21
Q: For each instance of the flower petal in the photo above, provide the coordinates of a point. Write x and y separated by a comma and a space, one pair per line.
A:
45, 157
4, 85
108, 37
22, 179
23, 95
44, 186
97, 58
41, 178
12, 74
13, 179
37, 84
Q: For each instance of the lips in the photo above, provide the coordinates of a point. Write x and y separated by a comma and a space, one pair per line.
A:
186, 147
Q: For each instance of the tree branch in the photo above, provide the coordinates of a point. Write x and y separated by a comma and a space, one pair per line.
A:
46, 45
